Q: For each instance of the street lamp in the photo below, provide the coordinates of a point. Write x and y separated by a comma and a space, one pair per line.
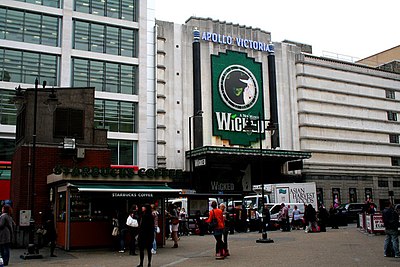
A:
198, 114
249, 128
51, 102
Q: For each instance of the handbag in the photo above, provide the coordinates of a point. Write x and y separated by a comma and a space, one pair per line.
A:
115, 231
132, 222
175, 221
213, 223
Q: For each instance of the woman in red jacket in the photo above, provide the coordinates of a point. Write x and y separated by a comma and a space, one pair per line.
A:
218, 230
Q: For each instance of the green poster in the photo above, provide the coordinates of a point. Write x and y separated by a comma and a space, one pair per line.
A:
237, 92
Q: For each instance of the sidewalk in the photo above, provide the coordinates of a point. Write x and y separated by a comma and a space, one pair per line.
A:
347, 246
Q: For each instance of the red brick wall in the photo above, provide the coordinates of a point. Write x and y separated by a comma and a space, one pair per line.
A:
46, 159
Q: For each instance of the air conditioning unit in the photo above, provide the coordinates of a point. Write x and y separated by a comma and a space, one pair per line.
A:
80, 153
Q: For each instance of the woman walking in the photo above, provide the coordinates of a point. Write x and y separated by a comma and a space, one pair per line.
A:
6, 233
146, 234
216, 214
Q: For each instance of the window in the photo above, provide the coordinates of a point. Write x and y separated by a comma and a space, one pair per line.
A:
69, 123
396, 183
394, 138
395, 161
123, 152
392, 115
390, 94
50, 3
119, 9
29, 27
7, 147
103, 38
383, 182
353, 195
116, 116
7, 108
104, 76
23, 67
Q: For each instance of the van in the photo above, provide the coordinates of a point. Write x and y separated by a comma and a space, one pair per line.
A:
274, 209
253, 201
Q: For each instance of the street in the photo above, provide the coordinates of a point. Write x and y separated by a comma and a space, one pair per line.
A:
347, 246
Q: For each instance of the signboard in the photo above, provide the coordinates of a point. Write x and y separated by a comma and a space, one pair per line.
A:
237, 97
377, 222
24, 217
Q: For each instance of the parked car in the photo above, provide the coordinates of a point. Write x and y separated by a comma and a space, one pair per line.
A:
350, 211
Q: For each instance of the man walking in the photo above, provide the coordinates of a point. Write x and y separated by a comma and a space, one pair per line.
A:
391, 222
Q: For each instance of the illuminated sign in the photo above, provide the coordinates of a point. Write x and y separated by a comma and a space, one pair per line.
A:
238, 41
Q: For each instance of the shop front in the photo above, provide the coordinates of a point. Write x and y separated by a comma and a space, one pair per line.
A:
85, 206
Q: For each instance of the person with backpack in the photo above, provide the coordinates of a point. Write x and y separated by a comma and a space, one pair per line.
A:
391, 222
216, 219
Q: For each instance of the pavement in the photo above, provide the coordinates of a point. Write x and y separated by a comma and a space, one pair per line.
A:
346, 246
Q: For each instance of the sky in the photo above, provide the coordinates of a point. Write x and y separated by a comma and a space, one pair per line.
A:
344, 29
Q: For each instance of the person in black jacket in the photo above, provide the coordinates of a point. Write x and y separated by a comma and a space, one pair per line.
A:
391, 221
146, 234
51, 233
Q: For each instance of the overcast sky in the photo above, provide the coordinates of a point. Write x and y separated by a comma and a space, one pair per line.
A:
348, 28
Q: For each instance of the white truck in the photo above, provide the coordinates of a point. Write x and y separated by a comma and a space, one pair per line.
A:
290, 193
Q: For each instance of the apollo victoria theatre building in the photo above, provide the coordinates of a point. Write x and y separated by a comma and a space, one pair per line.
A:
232, 108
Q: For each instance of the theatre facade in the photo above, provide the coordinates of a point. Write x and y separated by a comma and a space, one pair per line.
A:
310, 118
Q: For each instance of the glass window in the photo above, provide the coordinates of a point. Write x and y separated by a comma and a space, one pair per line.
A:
48, 69
51, 3
82, 6
81, 72
111, 116
128, 79
115, 115
15, 25
81, 35
113, 9
395, 161
126, 153
98, 7
128, 10
12, 65
390, 94
128, 43
127, 117
96, 75
7, 108
7, 147
50, 29
112, 40
105, 76
394, 138
383, 183
29, 27
123, 152
3, 13
97, 38
32, 28
392, 115
112, 77
30, 68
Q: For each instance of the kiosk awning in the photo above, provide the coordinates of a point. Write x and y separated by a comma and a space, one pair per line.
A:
125, 188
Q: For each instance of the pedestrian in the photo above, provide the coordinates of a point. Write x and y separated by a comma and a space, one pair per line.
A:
391, 222
216, 215
333, 218
51, 234
6, 233
123, 230
296, 218
183, 223
146, 234
132, 223
225, 214
154, 212
283, 218
310, 216
174, 219
323, 217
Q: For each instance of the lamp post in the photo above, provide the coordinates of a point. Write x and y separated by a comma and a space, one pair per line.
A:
51, 102
198, 113
249, 128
